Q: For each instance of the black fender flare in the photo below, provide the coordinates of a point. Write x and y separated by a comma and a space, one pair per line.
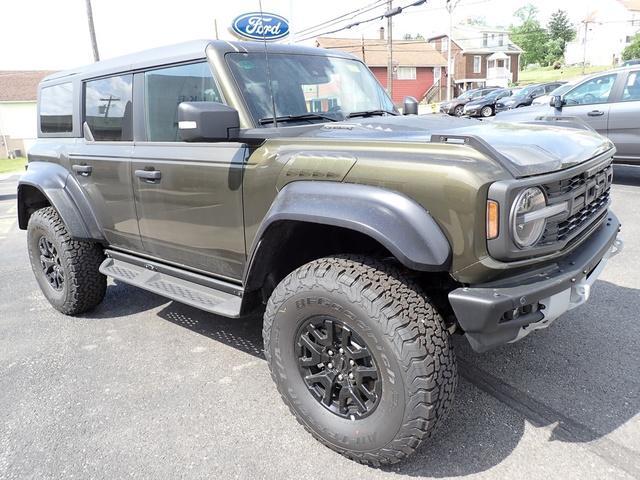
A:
396, 221
64, 193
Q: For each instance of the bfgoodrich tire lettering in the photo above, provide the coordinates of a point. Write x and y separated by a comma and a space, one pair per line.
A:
402, 329
79, 286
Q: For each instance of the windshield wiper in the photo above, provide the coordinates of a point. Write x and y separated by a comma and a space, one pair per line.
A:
371, 113
293, 118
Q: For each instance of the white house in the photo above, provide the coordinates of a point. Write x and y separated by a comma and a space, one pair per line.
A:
18, 109
608, 30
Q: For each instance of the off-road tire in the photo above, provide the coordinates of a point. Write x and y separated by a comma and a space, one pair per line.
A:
84, 286
410, 341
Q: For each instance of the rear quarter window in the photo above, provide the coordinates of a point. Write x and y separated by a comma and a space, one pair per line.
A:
56, 108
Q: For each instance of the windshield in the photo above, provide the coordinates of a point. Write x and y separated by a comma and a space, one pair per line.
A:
313, 87
495, 94
561, 89
525, 91
470, 94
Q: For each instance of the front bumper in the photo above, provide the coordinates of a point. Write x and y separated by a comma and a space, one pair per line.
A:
508, 310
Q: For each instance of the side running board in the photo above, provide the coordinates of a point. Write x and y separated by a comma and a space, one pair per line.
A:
199, 291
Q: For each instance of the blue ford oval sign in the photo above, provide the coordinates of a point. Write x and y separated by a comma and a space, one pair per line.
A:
261, 26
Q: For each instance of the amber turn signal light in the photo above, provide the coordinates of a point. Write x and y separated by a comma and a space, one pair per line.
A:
493, 221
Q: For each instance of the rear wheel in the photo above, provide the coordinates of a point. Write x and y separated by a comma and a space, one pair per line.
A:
66, 269
361, 357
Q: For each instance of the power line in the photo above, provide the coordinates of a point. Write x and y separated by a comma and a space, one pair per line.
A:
387, 14
338, 19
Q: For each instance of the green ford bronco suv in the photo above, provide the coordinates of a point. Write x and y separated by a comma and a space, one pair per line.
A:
240, 178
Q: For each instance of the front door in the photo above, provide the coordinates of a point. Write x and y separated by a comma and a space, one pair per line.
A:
103, 165
589, 101
624, 119
188, 195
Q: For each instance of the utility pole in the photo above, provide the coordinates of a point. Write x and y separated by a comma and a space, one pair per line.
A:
92, 31
451, 4
215, 27
584, 45
390, 49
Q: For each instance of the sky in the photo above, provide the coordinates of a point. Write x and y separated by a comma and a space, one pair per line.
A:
53, 34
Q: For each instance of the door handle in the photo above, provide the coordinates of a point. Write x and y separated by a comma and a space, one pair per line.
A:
149, 176
82, 170
595, 113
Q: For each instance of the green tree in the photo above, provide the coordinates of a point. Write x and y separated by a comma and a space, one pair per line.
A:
530, 35
633, 49
560, 27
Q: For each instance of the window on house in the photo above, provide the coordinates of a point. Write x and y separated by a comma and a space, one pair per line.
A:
56, 109
108, 109
437, 74
492, 63
444, 44
477, 64
485, 39
501, 39
406, 73
166, 88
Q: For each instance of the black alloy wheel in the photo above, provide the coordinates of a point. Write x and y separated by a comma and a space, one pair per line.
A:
50, 263
338, 367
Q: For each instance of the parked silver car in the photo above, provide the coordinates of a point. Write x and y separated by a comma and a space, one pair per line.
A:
608, 101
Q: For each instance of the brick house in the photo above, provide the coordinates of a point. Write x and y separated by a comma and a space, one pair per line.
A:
417, 65
18, 109
481, 57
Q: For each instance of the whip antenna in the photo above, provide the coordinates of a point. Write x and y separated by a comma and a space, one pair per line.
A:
266, 57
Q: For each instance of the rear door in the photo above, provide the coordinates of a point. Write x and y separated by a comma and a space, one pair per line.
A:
103, 165
624, 118
188, 195
589, 101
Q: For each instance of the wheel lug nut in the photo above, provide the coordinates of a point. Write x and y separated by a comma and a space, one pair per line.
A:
352, 363
351, 375
340, 377
341, 351
329, 365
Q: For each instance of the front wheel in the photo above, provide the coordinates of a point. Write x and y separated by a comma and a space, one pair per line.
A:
361, 357
458, 111
66, 269
486, 111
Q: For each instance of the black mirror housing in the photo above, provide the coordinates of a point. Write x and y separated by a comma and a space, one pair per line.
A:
410, 106
207, 122
556, 101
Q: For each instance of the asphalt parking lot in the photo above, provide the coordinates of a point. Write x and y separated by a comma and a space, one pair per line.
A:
148, 388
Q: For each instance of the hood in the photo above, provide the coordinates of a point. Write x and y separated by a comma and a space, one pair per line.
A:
525, 149
479, 102
510, 99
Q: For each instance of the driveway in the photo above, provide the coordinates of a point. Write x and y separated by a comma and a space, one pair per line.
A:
149, 388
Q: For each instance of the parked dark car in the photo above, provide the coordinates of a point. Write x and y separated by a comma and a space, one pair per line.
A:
456, 106
609, 102
486, 106
628, 63
526, 96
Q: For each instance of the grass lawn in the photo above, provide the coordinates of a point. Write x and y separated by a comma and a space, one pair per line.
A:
548, 74
12, 165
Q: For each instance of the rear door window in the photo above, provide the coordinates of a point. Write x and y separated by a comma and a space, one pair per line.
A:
108, 108
631, 90
166, 88
56, 109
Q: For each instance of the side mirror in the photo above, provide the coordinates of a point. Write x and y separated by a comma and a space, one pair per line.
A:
556, 101
207, 122
410, 106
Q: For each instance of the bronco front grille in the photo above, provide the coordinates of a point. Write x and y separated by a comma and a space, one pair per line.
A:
587, 195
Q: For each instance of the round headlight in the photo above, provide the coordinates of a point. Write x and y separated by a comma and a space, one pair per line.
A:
527, 229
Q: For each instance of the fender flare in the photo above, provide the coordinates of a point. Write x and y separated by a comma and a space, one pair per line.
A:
396, 221
64, 193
